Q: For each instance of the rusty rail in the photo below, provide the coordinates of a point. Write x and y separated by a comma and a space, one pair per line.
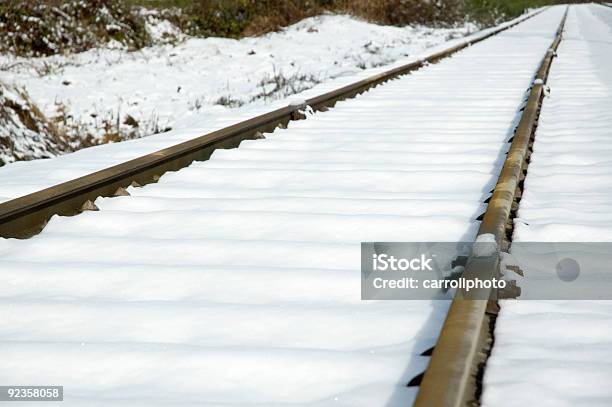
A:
457, 362
26, 216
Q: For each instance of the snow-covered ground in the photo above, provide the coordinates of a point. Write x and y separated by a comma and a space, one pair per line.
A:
90, 93
235, 281
20, 178
559, 353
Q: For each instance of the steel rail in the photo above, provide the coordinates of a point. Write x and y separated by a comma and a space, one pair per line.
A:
457, 362
26, 216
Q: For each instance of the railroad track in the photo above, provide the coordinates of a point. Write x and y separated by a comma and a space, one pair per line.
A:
26, 216
459, 358
456, 362
566, 199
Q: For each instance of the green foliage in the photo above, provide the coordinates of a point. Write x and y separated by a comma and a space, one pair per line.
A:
219, 17
491, 11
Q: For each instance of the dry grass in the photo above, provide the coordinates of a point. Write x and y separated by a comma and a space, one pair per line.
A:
237, 18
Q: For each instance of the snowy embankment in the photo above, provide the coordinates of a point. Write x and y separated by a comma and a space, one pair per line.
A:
111, 94
23, 131
235, 281
559, 353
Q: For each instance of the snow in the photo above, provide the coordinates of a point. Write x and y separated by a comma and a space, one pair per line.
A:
485, 246
204, 77
160, 29
558, 353
235, 281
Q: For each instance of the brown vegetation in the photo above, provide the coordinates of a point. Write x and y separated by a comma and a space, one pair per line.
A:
37, 28
235, 18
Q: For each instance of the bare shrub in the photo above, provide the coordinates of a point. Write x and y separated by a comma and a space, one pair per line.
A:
33, 28
25, 132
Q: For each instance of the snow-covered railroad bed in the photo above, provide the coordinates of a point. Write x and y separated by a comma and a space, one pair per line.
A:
558, 353
236, 281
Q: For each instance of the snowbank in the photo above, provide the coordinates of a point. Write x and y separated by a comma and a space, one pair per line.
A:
112, 94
